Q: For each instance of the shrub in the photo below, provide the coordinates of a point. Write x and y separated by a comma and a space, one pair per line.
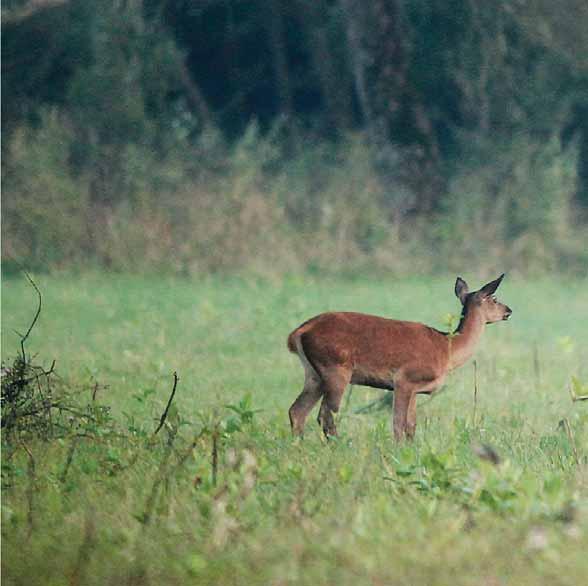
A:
45, 209
510, 204
261, 207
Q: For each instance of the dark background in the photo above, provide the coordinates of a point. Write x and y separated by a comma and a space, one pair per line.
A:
105, 94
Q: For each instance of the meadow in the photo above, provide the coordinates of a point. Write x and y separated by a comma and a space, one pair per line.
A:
224, 495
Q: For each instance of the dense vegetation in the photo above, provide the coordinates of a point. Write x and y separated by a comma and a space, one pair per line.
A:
274, 136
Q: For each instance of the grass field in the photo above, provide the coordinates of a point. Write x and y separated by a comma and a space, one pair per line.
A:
124, 507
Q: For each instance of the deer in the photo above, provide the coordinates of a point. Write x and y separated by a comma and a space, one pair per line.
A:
410, 358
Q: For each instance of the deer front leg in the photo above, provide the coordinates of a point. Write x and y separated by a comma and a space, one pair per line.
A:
408, 382
400, 418
411, 416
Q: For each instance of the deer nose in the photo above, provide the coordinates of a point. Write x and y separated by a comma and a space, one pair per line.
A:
507, 312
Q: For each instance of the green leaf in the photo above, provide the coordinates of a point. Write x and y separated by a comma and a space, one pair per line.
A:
578, 391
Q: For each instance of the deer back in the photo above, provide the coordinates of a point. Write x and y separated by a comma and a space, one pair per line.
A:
370, 345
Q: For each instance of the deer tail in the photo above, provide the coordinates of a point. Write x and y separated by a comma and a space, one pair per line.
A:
292, 342
296, 334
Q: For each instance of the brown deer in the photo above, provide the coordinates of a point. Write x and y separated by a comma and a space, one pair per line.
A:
339, 348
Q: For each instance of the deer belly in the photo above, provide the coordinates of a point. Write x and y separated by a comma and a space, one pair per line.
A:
370, 379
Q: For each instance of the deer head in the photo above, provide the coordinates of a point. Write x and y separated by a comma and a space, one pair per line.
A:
483, 300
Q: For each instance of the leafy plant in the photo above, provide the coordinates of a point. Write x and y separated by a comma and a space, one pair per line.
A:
578, 390
244, 411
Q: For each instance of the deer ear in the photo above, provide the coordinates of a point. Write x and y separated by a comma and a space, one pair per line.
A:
461, 289
491, 287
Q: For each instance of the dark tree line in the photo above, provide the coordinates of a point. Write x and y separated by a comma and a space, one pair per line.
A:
424, 79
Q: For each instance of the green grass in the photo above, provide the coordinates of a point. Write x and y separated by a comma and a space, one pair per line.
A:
359, 510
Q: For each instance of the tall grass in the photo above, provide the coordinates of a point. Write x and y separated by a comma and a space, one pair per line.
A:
258, 206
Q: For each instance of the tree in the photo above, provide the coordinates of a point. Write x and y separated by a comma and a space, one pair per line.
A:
392, 105
323, 27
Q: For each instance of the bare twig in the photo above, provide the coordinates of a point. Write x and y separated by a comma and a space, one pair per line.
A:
47, 408
36, 377
215, 436
171, 398
51, 369
25, 337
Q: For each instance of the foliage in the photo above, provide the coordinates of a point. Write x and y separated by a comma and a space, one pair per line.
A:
45, 218
257, 208
578, 391
227, 136
33, 404
519, 207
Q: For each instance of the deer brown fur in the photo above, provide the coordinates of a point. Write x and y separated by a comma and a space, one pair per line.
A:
339, 348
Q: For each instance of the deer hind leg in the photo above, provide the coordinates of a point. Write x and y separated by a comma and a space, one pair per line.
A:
309, 396
304, 403
325, 419
334, 383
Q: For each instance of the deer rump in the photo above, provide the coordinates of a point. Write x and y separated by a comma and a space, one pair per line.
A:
370, 347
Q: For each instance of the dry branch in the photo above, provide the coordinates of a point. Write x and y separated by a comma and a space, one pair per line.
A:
38, 312
169, 402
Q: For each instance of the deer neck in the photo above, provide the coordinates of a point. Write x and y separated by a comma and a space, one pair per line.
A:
463, 343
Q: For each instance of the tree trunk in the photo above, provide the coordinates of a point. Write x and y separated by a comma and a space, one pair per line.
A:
334, 87
582, 189
392, 107
193, 93
275, 25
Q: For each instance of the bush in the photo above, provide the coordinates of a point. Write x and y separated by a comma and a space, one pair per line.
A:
45, 209
510, 206
260, 207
